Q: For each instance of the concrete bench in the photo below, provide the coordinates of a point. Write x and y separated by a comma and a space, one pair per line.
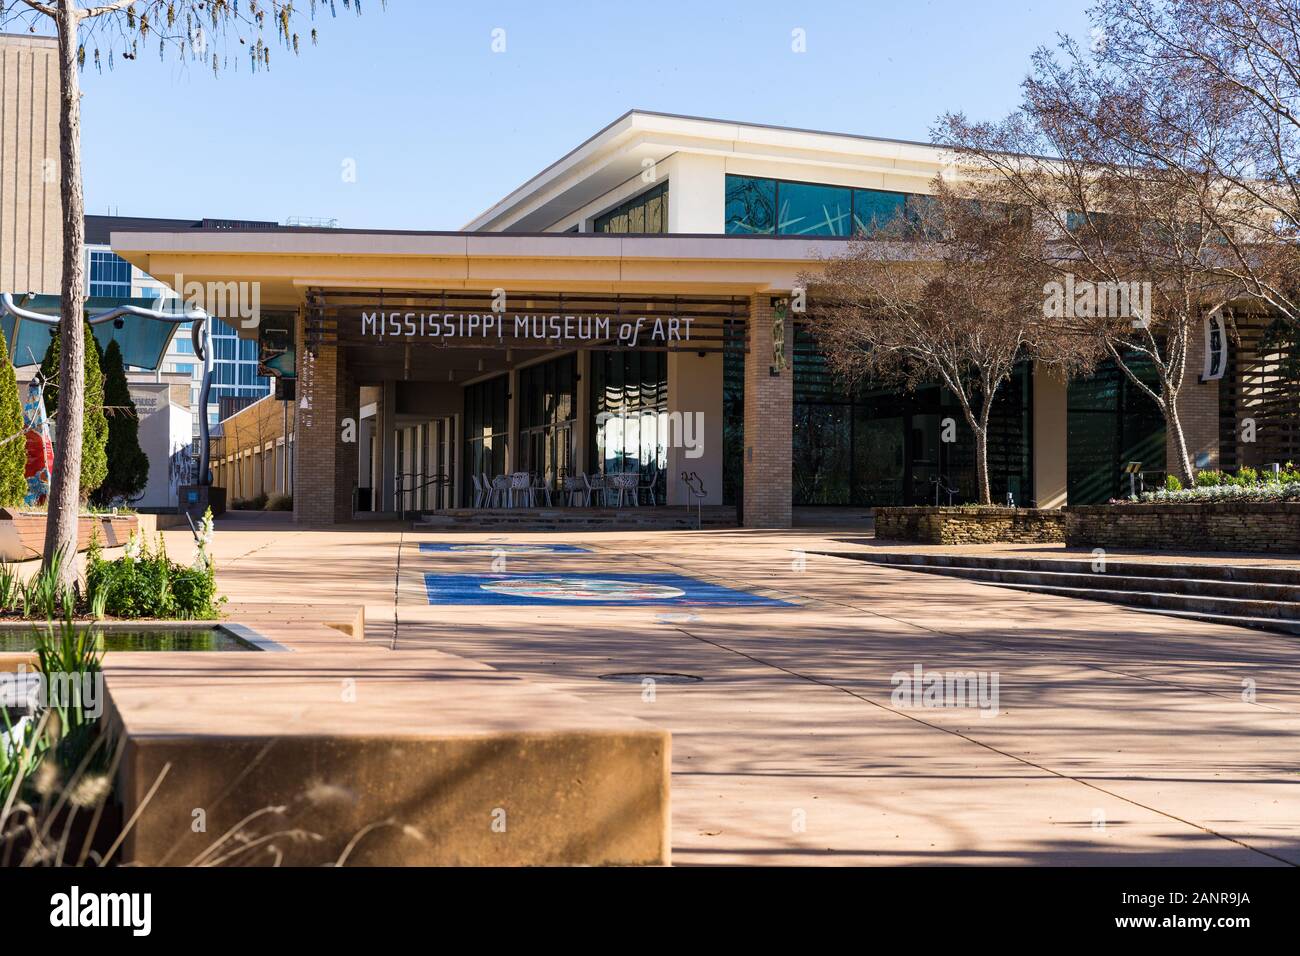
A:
415, 757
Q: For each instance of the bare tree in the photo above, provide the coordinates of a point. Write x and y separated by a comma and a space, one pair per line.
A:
1133, 235
1220, 85
119, 29
951, 293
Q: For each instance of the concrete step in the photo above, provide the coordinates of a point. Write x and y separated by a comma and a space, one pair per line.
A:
1264, 574
1280, 594
1276, 612
1268, 605
575, 519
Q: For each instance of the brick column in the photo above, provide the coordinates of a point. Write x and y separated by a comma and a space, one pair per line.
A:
769, 414
1198, 410
324, 466
347, 404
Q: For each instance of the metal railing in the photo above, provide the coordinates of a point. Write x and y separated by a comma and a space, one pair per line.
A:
941, 483
408, 483
695, 489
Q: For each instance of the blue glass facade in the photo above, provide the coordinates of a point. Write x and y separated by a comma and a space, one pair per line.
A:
110, 275
234, 370
766, 207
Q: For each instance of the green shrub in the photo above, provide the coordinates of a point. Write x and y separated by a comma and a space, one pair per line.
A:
1269, 491
127, 464
1172, 483
145, 583
11, 589
66, 648
1209, 478
64, 734
279, 503
45, 595
13, 453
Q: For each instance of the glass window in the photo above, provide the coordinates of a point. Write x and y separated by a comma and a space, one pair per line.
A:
751, 206
1110, 423
547, 406
874, 209
629, 408
918, 206
875, 445
809, 210
485, 427
656, 213
644, 213
110, 275
764, 207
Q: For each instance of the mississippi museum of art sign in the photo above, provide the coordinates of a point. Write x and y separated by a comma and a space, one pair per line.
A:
548, 331
539, 321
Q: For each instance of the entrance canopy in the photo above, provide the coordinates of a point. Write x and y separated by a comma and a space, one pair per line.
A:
288, 264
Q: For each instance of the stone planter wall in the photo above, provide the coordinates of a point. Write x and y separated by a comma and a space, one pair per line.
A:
1270, 527
989, 525
22, 533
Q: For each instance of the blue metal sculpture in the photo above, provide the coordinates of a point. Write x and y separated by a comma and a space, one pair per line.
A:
105, 317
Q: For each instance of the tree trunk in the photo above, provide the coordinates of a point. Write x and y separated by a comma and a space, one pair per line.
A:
65, 482
1174, 433
982, 464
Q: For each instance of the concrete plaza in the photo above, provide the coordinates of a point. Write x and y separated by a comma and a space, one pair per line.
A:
1119, 737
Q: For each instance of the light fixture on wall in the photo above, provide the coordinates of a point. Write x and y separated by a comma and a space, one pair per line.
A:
451, 375
480, 365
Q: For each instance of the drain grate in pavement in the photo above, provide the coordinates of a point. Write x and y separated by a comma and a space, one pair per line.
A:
638, 677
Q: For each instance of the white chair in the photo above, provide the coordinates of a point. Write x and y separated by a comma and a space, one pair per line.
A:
572, 490
648, 486
539, 490
480, 493
500, 492
521, 489
621, 488
595, 490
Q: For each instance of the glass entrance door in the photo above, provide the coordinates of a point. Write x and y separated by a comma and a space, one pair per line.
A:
880, 468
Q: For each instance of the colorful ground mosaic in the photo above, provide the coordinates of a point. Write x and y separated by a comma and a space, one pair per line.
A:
588, 589
492, 550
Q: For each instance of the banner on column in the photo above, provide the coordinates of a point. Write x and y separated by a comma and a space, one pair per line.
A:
1216, 347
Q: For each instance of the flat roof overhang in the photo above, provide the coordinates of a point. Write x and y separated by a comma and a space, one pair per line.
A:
287, 263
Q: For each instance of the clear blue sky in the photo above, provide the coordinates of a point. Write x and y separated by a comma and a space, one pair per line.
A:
441, 127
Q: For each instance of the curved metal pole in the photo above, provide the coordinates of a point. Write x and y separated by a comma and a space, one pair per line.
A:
200, 335
176, 318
